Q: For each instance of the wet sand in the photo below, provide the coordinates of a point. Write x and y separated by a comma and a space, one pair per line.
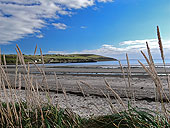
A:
92, 80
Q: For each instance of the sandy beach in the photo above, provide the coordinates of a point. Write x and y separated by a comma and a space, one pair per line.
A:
91, 79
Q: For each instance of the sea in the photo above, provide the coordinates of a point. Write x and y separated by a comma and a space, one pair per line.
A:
133, 63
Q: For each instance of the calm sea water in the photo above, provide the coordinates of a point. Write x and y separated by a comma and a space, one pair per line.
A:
133, 62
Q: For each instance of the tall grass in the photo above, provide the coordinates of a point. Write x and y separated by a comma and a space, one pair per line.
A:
134, 117
33, 112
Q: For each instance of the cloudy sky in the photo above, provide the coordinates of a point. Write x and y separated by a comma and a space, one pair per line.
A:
104, 27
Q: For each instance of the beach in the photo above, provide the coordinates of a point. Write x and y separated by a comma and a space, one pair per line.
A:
86, 86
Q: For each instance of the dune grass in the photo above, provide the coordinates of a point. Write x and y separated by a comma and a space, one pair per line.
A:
33, 112
52, 117
132, 118
65, 118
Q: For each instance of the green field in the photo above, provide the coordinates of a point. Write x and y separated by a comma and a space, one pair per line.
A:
58, 58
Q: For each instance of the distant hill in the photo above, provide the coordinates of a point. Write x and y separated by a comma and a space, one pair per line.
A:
59, 58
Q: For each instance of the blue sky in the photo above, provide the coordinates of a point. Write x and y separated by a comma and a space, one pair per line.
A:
105, 27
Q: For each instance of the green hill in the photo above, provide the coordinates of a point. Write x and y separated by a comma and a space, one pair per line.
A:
59, 58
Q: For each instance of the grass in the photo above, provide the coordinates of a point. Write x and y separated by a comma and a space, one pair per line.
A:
52, 58
132, 118
53, 117
65, 118
33, 112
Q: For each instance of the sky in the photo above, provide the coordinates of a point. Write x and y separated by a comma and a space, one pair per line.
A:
104, 27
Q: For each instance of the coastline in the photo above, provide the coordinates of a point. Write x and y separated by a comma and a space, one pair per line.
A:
92, 81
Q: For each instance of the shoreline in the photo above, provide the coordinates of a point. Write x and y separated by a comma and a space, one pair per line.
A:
95, 77
142, 87
89, 70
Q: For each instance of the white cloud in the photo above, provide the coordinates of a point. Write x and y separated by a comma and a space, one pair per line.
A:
18, 18
60, 26
105, 1
40, 36
133, 48
76, 4
83, 27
